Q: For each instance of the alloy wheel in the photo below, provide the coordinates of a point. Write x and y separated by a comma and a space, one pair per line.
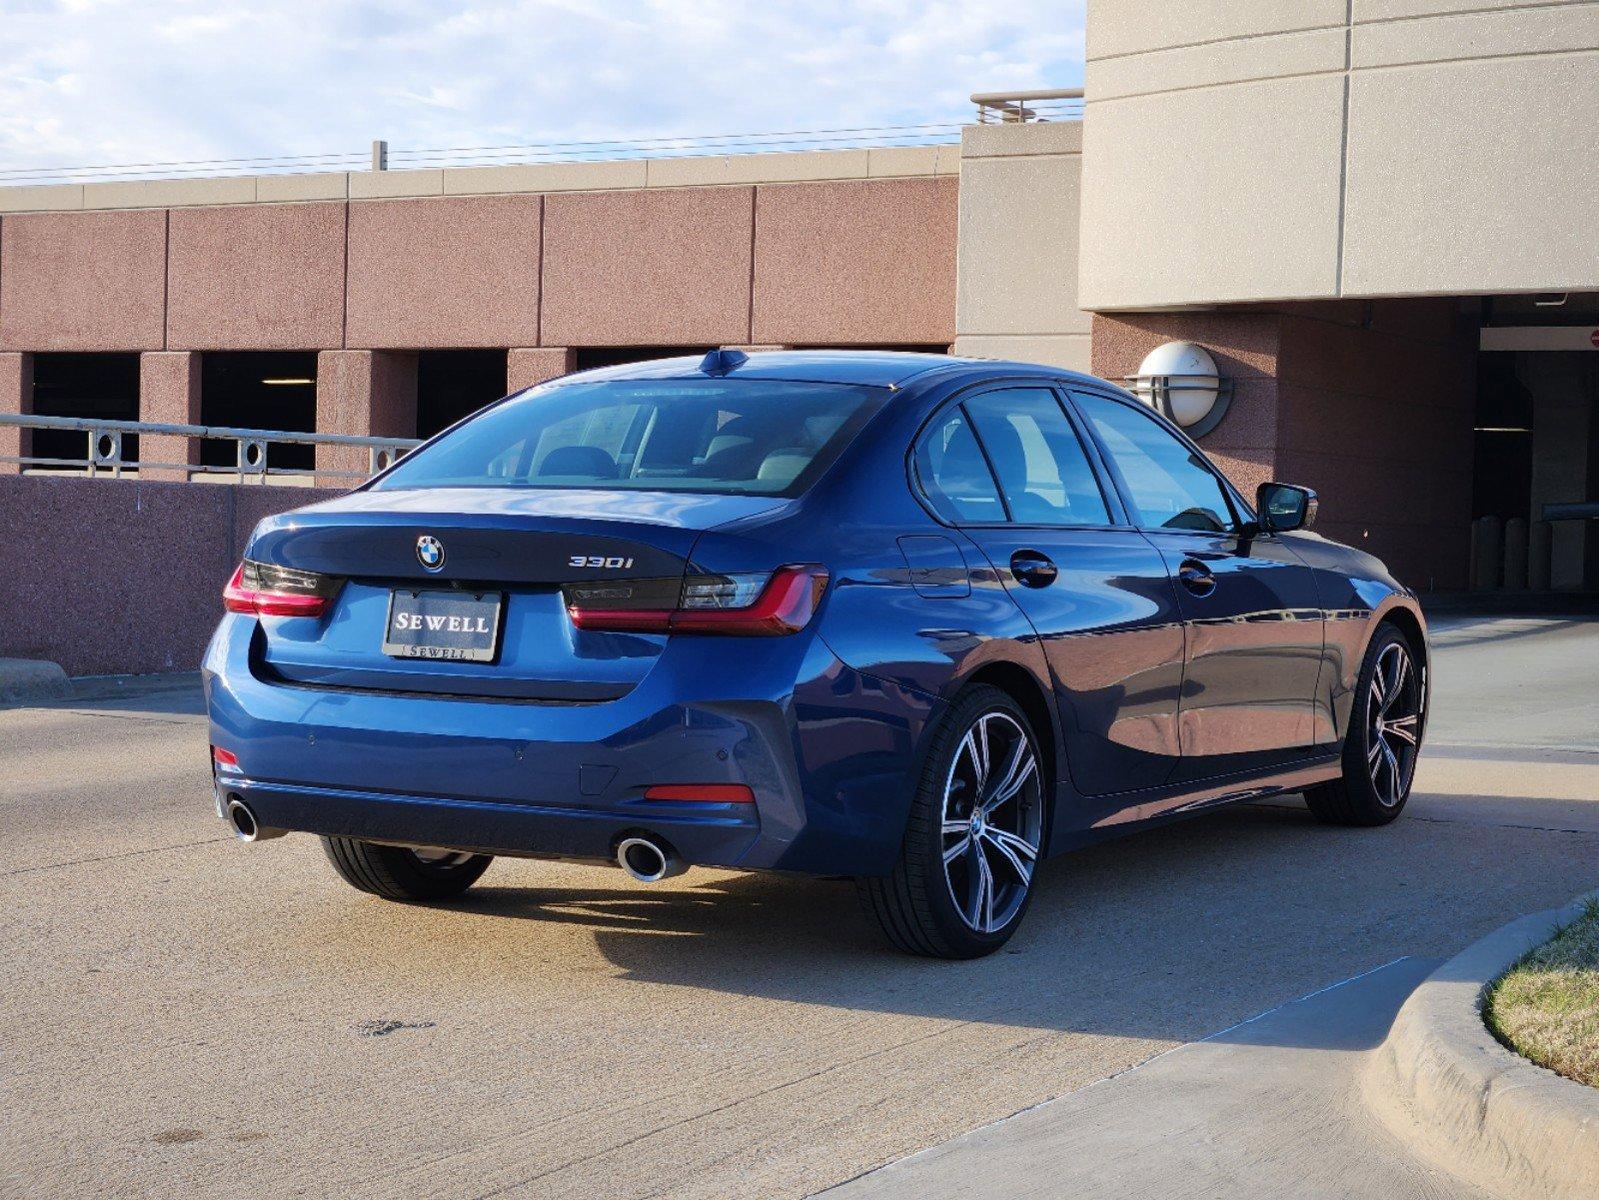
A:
1393, 724
432, 856
993, 819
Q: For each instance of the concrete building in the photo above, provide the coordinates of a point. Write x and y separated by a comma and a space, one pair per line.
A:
1378, 217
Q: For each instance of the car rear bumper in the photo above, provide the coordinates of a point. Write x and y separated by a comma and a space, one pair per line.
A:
825, 750
719, 834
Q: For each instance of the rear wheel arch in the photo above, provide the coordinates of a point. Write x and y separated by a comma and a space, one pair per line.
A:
1017, 682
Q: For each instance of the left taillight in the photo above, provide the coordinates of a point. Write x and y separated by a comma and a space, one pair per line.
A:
268, 590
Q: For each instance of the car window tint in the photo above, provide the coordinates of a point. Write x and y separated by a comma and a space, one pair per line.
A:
954, 474
734, 436
1041, 465
1170, 486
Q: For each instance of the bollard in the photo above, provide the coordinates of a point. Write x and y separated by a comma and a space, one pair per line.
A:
1540, 555
1487, 554
1516, 554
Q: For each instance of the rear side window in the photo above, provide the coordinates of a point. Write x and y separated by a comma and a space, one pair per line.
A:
1042, 467
741, 437
1170, 485
953, 473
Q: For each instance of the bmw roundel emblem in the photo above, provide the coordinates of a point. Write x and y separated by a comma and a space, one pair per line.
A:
430, 552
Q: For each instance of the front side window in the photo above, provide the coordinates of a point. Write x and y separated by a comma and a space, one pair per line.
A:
1170, 485
739, 437
1041, 465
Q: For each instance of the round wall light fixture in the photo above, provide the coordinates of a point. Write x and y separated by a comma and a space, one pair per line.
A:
1180, 380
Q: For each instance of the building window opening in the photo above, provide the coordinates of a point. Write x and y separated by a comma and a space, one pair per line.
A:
589, 357
273, 390
83, 385
1502, 448
452, 384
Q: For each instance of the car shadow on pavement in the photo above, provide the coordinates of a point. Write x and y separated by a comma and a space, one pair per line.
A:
1171, 934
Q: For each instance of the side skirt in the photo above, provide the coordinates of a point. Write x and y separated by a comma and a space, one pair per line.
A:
1161, 805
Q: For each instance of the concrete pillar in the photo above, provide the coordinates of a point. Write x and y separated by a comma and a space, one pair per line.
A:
169, 393
528, 367
16, 396
368, 393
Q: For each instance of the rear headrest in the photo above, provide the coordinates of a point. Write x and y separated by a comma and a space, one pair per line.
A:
579, 460
781, 466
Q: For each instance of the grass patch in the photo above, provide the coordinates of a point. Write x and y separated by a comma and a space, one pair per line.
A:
1546, 1007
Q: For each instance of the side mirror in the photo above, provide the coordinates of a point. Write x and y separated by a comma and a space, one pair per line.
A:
1285, 506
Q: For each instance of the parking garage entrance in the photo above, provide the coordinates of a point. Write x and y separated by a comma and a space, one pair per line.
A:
1536, 459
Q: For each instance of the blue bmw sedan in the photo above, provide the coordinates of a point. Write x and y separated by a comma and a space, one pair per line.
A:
918, 620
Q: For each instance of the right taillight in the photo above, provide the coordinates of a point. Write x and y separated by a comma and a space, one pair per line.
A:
754, 604
268, 590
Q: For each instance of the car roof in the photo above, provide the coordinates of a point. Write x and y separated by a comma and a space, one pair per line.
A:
878, 368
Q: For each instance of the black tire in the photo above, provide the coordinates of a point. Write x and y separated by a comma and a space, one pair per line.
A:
1366, 794
915, 906
396, 873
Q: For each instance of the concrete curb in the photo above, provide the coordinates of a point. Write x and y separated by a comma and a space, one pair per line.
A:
31, 681
1443, 1084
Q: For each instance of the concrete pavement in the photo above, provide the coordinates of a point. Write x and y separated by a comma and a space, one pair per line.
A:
1272, 1108
186, 1015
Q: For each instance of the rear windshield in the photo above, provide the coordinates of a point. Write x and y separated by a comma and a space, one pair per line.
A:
756, 437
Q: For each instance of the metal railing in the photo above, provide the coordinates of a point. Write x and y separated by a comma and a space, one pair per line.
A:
1040, 104
384, 156
103, 454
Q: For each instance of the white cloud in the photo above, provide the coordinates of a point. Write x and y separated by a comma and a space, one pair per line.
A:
100, 81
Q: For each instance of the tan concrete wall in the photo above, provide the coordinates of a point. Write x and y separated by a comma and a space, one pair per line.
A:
1016, 271
702, 170
1242, 150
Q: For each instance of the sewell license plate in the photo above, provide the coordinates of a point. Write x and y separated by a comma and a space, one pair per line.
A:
458, 626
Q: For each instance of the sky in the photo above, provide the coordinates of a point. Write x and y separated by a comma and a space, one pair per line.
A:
88, 82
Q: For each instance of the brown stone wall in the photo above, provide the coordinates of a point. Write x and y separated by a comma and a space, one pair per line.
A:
1370, 403
525, 367
16, 396
648, 268
1378, 401
364, 393
169, 394
451, 273
854, 262
857, 262
1247, 349
78, 534
83, 281
256, 277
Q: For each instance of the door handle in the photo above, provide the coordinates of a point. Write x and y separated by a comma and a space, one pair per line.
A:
1196, 577
1033, 569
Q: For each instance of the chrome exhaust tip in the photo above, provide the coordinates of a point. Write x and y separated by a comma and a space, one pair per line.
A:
647, 860
244, 825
